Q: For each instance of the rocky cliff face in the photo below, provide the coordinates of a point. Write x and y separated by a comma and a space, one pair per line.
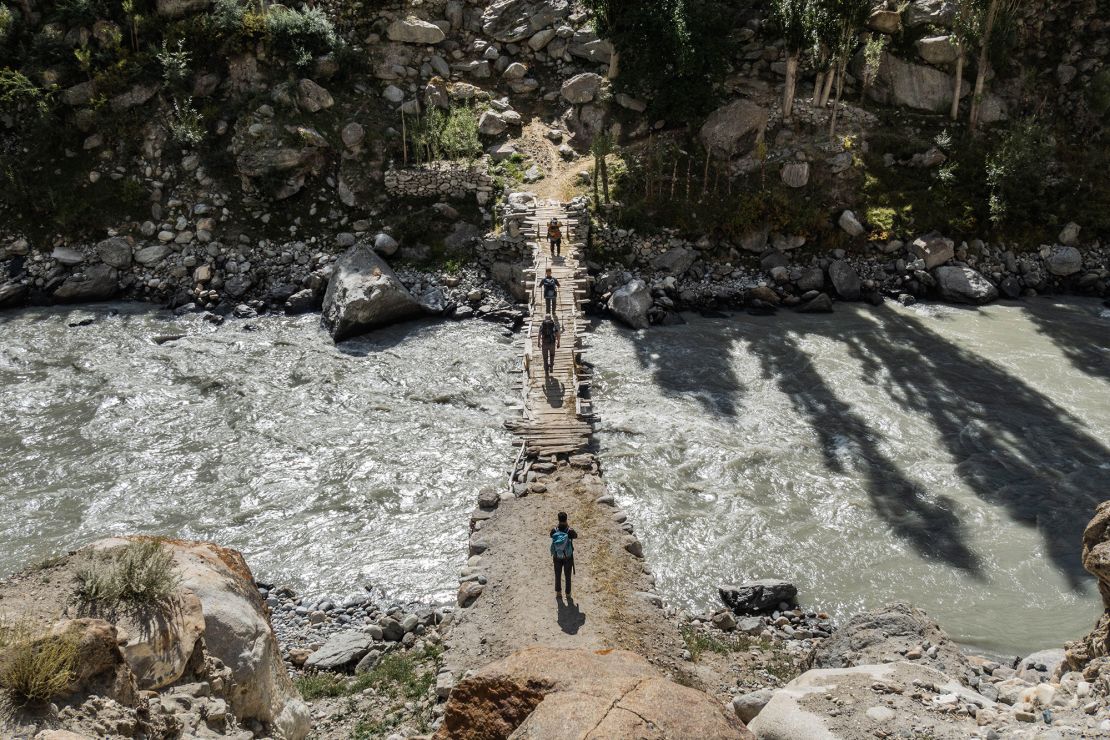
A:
1091, 655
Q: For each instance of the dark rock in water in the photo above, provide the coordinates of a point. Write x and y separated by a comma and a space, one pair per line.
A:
302, 301
672, 318
821, 303
759, 596
164, 338
243, 311
906, 299
279, 294
845, 279
184, 309
873, 296
364, 294
1010, 287
434, 301
773, 258
96, 283
462, 312
760, 308
12, 294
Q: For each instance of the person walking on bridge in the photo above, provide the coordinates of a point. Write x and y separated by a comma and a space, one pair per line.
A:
550, 287
562, 552
554, 236
549, 342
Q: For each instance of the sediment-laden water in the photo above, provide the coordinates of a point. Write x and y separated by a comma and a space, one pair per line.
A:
945, 456
329, 468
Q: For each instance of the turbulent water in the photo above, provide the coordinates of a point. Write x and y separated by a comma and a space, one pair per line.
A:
329, 468
949, 457
945, 456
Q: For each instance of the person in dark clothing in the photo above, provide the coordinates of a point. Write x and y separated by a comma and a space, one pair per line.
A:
554, 236
562, 552
549, 342
550, 287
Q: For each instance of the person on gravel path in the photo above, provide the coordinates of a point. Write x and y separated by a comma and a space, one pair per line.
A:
562, 552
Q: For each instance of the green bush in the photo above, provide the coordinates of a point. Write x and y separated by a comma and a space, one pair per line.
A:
139, 574
450, 135
298, 36
1016, 172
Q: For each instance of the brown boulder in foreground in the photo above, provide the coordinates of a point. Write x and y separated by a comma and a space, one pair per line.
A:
551, 693
1091, 654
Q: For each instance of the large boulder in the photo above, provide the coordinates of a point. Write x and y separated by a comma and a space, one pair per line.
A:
630, 303
546, 692
734, 128
312, 97
153, 254
1063, 261
884, 635
238, 632
964, 285
870, 701
845, 279
412, 30
934, 249
96, 283
937, 49
582, 88
115, 252
341, 650
757, 597
676, 260
513, 21
916, 86
364, 294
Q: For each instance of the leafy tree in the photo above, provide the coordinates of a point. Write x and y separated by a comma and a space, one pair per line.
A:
848, 17
1016, 170
793, 19
672, 51
965, 30
601, 147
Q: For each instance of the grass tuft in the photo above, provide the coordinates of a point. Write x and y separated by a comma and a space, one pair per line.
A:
34, 668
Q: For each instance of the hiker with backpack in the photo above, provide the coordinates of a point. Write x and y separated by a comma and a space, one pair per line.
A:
562, 552
550, 287
549, 342
554, 236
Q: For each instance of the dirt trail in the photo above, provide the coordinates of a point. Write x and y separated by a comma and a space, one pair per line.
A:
560, 175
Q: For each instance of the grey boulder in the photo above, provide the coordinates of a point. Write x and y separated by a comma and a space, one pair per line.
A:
734, 128
96, 283
964, 285
115, 252
630, 303
759, 596
364, 294
845, 279
1064, 261
412, 30
582, 88
340, 651
12, 294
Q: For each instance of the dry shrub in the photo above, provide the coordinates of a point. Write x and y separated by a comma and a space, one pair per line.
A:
34, 668
139, 574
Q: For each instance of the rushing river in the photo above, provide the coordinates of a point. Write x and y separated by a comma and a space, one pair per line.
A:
949, 457
329, 468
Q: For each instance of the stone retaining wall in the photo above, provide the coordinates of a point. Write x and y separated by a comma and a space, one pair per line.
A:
441, 180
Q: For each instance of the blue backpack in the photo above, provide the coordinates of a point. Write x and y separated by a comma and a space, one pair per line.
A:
562, 547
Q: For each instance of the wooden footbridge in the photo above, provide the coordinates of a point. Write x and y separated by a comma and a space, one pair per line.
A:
557, 417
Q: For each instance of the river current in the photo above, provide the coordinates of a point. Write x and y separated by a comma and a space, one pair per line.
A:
945, 456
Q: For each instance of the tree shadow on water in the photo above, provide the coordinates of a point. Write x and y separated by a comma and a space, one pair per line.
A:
927, 523
687, 362
1077, 331
1013, 446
